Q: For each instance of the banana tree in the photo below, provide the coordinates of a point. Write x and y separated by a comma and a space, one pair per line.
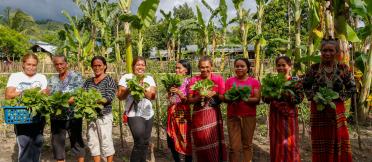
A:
145, 15
124, 6
241, 18
314, 26
78, 41
172, 33
90, 15
203, 28
296, 9
106, 22
221, 12
259, 42
363, 8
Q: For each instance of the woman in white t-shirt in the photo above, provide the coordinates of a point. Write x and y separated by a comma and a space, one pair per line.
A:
29, 136
140, 113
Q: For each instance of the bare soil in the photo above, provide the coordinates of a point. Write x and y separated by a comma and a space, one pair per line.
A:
9, 150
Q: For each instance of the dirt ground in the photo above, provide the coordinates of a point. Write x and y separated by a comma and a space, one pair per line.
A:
8, 147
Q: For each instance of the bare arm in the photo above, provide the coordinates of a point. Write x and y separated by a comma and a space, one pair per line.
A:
11, 92
255, 99
150, 93
122, 93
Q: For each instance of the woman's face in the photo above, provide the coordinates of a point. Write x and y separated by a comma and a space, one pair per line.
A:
205, 68
98, 67
328, 52
180, 69
30, 66
283, 67
139, 68
241, 68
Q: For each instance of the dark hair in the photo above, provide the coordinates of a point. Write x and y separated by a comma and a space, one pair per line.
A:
99, 58
205, 58
61, 56
330, 40
136, 59
29, 55
187, 65
285, 58
246, 62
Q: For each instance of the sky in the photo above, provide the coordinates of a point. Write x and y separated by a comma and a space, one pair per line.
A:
51, 9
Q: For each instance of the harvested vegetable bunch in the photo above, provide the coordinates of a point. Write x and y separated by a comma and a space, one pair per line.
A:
59, 103
238, 93
137, 90
273, 86
86, 103
203, 86
37, 102
324, 98
171, 80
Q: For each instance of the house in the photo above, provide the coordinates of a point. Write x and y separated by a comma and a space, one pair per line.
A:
44, 50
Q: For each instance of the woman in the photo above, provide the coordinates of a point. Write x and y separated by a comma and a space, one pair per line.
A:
29, 136
140, 113
99, 134
283, 120
206, 127
241, 115
329, 133
179, 117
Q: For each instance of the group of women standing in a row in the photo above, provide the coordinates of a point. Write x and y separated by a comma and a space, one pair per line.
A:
329, 135
200, 133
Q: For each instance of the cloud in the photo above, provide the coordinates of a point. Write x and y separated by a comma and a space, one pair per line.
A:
43, 9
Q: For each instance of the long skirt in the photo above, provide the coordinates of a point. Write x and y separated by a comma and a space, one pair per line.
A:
207, 133
179, 128
329, 134
284, 134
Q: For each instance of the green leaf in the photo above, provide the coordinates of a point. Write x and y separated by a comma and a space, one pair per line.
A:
147, 10
351, 35
359, 7
200, 17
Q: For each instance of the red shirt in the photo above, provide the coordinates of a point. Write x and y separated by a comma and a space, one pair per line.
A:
219, 86
241, 108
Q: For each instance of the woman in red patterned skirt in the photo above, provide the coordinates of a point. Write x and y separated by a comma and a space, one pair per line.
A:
207, 129
179, 117
329, 134
283, 121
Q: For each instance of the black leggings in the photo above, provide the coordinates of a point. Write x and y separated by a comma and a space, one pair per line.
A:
177, 157
73, 127
141, 132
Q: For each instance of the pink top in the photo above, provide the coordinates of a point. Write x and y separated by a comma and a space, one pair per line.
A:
241, 108
219, 85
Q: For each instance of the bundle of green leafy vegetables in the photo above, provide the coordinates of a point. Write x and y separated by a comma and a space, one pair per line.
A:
87, 103
171, 80
59, 103
38, 103
274, 86
324, 98
137, 90
238, 93
203, 86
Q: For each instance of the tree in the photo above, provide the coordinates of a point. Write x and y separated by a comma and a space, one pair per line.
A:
19, 21
12, 43
363, 9
185, 12
145, 15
